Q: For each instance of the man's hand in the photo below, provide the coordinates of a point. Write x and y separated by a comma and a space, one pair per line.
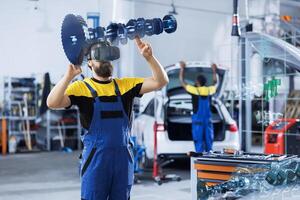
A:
159, 76
214, 67
182, 64
57, 97
145, 48
73, 70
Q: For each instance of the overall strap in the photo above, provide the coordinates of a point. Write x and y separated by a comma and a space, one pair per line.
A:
116, 88
197, 90
93, 92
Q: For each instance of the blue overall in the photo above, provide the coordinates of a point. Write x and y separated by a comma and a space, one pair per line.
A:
202, 127
107, 164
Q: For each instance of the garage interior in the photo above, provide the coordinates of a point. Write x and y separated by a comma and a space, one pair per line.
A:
254, 111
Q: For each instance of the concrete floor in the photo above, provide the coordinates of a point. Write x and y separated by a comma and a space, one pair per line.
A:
54, 175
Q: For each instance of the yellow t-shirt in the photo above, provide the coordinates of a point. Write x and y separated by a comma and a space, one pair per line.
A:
201, 91
81, 96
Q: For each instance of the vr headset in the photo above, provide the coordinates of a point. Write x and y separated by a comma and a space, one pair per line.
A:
103, 51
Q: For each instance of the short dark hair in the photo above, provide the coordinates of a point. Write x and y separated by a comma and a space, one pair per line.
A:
201, 80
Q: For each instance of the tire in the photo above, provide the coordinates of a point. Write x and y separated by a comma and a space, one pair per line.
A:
159, 182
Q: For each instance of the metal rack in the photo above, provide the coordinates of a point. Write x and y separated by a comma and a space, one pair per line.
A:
54, 130
20, 106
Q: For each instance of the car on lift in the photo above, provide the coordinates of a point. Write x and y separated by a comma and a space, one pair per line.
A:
171, 109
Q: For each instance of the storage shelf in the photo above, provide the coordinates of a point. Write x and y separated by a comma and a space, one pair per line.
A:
19, 89
21, 133
22, 102
69, 137
65, 127
16, 118
14, 90
53, 127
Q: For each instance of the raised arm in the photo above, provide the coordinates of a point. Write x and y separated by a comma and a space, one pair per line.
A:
159, 77
214, 68
57, 97
181, 74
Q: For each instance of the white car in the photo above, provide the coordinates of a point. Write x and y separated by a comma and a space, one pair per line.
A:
171, 108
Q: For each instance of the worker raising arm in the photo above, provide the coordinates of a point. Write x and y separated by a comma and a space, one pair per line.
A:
202, 127
105, 105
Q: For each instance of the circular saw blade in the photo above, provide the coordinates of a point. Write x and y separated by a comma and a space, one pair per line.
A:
73, 37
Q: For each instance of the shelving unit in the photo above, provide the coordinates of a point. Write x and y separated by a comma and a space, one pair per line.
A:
59, 122
20, 108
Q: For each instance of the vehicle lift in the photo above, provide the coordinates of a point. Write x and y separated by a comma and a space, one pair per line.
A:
159, 162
